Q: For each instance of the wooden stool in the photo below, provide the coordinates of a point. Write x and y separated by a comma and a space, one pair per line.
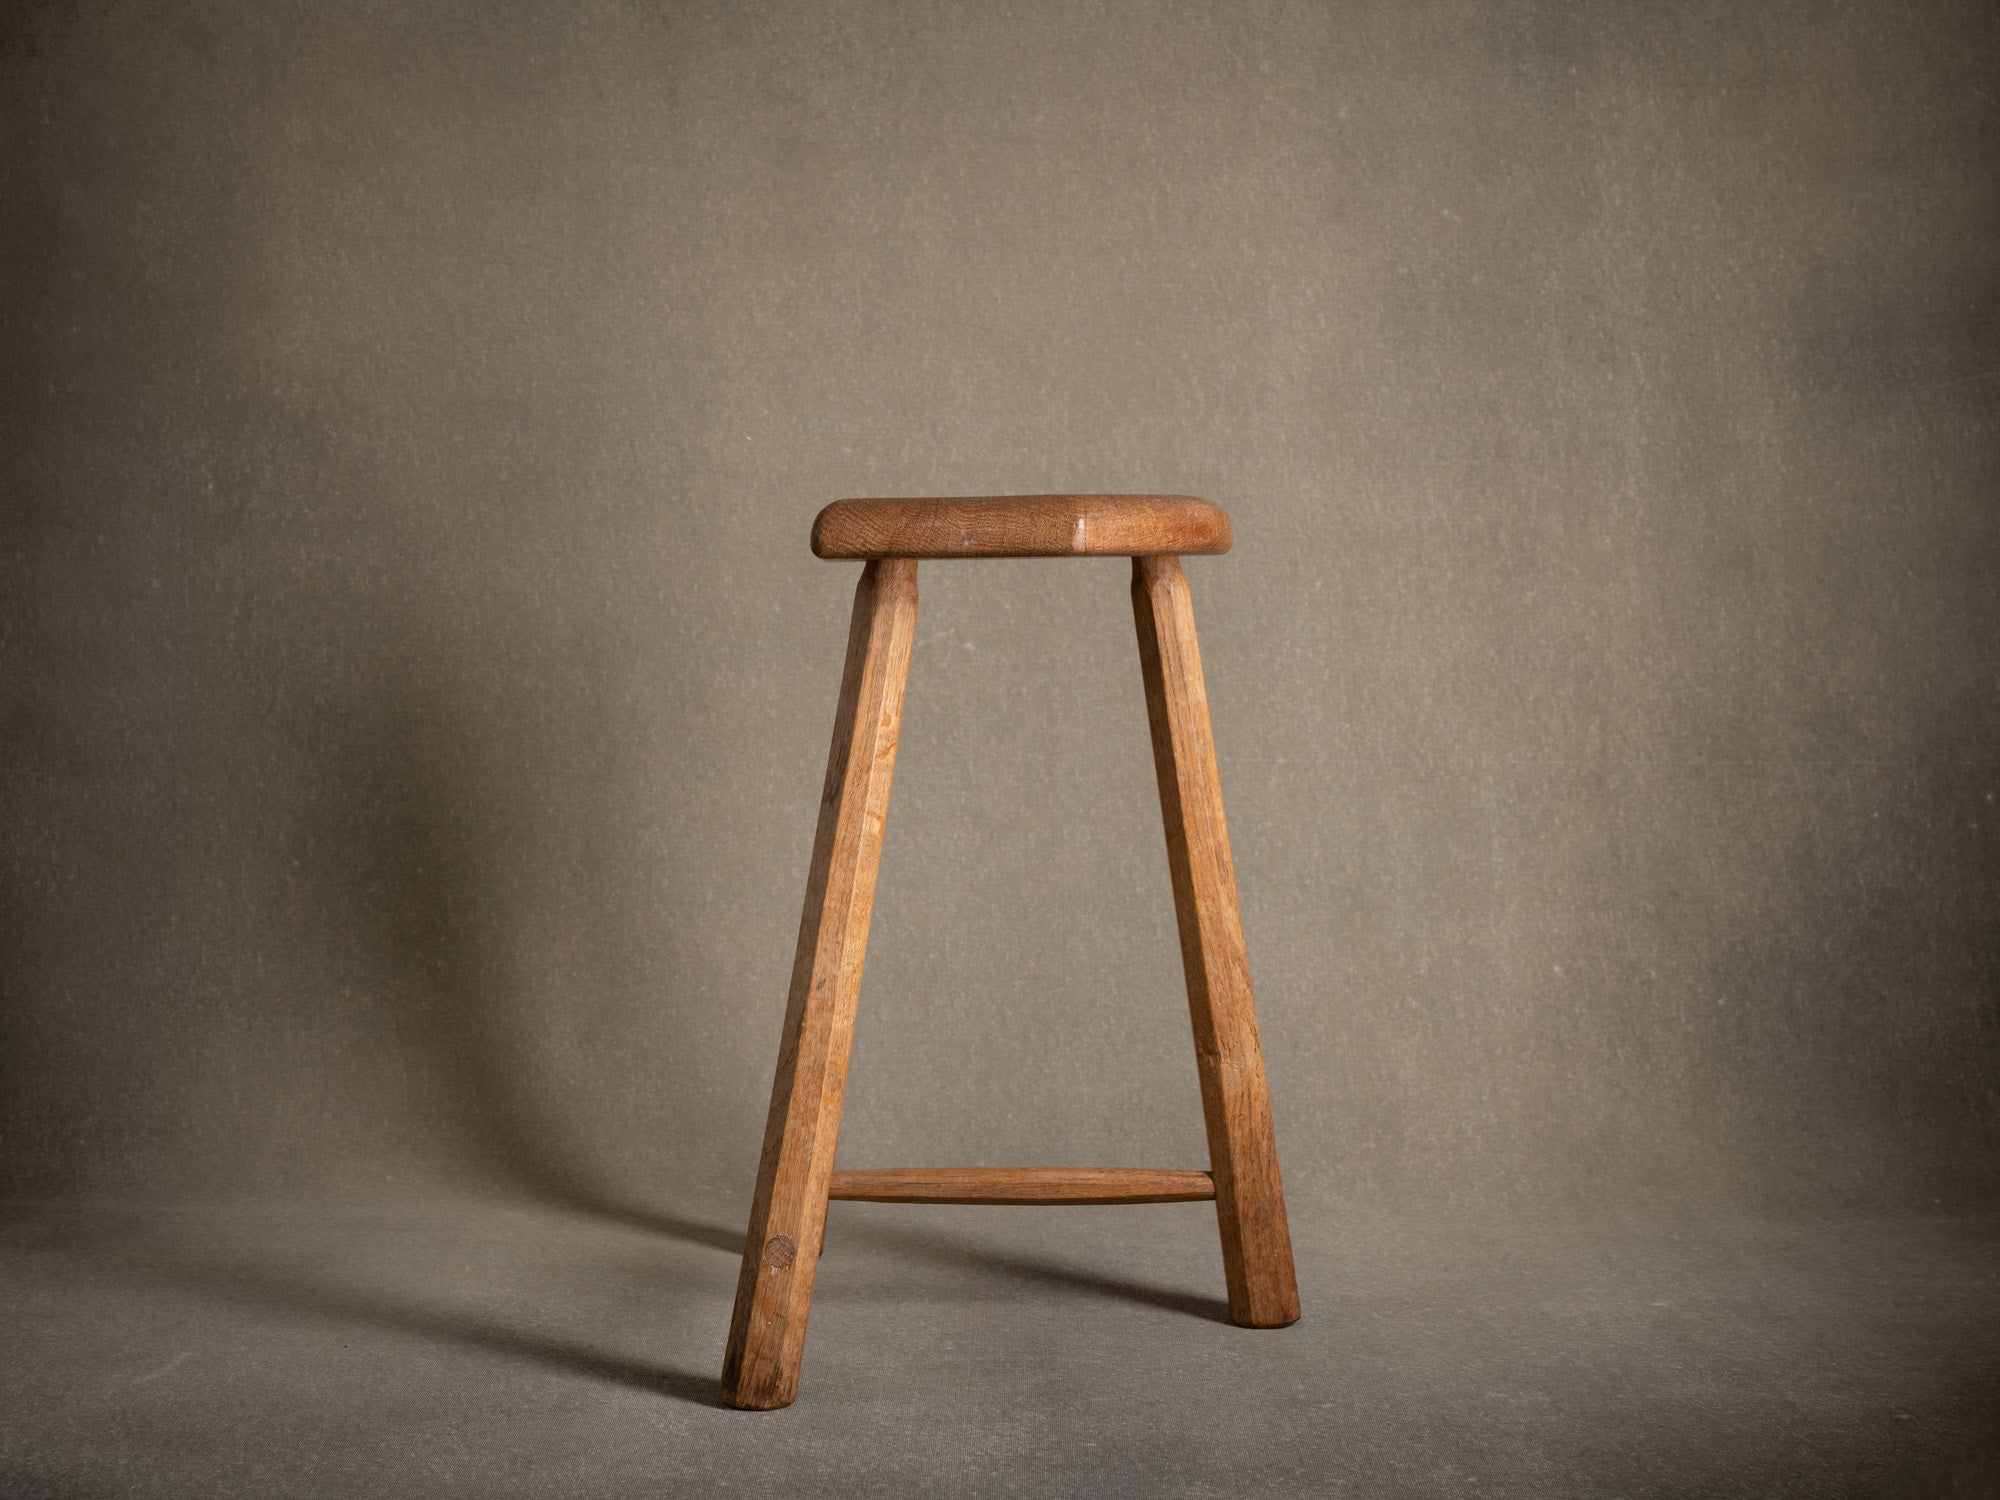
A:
796, 1176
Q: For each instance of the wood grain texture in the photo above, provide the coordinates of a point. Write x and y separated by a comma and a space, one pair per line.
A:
788, 1215
1242, 1148
1022, 526
1073, 1185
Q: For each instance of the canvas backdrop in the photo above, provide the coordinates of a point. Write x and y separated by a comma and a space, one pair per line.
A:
417, 686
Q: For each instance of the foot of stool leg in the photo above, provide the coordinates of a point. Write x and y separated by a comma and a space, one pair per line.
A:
1243, 1152
788, 1216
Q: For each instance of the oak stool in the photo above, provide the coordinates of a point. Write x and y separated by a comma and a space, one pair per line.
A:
796, 1175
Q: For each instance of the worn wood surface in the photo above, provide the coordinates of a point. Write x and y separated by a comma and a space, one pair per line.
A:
1022, 1185
788, 1215
1022, 526
1243, 1153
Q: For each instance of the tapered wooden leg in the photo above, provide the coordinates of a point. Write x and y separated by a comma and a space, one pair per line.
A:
788, 1217
1243, 1152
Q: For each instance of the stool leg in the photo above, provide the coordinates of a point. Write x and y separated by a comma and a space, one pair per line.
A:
1242, 1151
788, 1216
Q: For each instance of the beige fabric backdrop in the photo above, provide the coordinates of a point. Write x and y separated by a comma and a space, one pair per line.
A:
417, 685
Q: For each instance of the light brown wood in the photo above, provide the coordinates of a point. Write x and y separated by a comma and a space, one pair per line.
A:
1022, 526
1242, 1148
795, 1174
788, 1215
1075, 1185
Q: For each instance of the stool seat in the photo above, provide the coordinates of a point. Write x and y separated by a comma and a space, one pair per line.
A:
1022, 526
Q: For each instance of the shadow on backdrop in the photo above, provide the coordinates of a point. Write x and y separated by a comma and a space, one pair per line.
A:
458, 823
289, 1297
956, 1252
